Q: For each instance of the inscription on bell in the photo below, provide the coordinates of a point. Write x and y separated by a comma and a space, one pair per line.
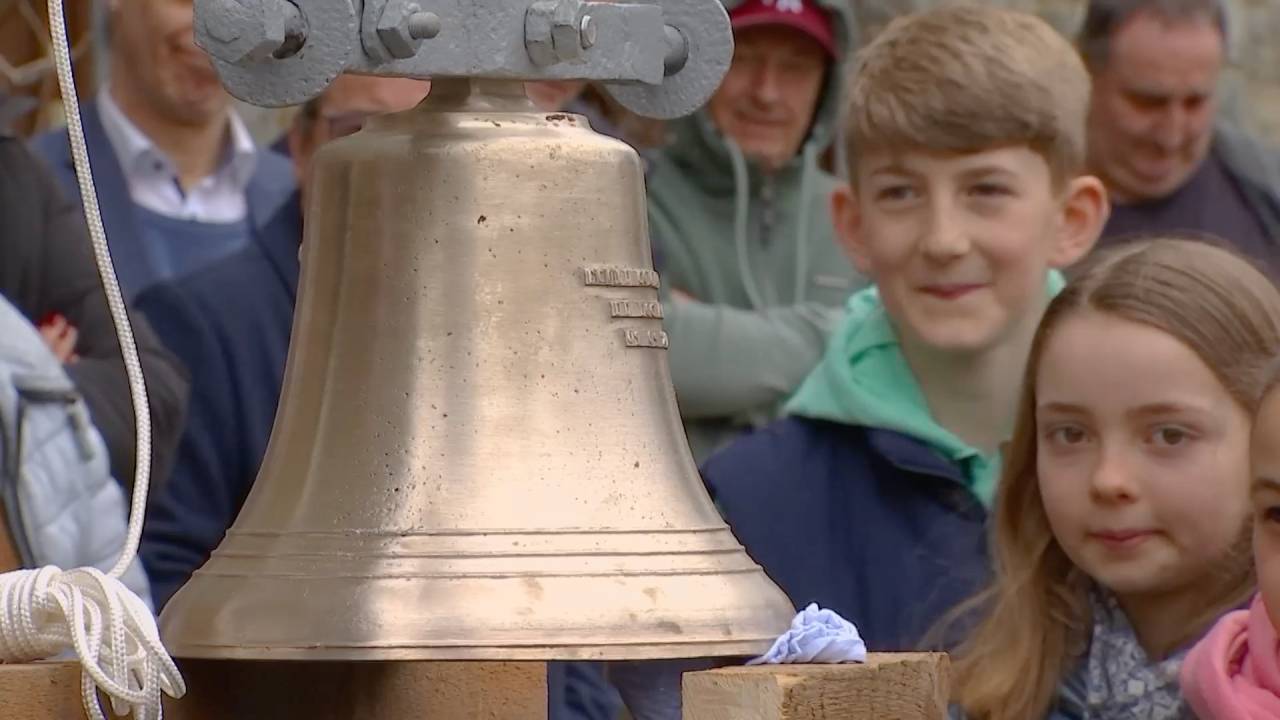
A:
635, 309
645, 339
614, 276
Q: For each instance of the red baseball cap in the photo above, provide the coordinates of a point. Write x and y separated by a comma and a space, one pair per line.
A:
803, 15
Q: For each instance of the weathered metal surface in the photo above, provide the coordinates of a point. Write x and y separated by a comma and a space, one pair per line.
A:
661, 58
331, 29
697, 50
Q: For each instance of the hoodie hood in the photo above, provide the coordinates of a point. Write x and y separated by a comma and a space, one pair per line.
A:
864, 380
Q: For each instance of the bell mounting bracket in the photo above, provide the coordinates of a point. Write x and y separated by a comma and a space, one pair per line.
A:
659, 58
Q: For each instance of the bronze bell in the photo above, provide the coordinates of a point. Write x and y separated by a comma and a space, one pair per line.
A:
478, 453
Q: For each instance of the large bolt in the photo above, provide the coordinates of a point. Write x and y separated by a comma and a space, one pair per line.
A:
424, 25
537, 33
566, 30
235, 31
402, 27
588, 32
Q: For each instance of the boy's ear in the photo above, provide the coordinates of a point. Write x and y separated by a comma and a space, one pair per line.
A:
1085, 210
847, 216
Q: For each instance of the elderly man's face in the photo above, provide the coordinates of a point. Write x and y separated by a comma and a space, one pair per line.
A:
1154, 105
154, 49
767, 101
342, 110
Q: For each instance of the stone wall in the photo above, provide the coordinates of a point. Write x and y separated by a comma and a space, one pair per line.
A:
1251, 89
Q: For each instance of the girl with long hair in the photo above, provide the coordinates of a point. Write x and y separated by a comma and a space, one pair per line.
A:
1120, 530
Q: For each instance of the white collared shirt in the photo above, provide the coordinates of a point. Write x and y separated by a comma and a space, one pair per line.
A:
153, 179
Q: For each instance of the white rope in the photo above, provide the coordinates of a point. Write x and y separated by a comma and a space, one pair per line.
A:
49, 611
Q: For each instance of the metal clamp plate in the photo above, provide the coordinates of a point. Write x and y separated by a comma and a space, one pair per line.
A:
332, 36
486, 38
709, 38
624, 44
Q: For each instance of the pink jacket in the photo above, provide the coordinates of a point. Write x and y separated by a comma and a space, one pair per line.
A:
1234, 672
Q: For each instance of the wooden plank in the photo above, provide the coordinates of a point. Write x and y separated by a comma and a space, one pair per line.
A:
912, 686
303, 691
221, 689
9, 559
45, 690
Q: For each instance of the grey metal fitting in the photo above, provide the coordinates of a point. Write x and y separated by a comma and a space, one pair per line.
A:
677, 50
236, 31
588, 30
394, 29
424, 25
402, 26
557, 31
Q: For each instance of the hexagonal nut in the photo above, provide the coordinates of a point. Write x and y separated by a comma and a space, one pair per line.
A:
238, 30
393, 29
566, 29
537, 33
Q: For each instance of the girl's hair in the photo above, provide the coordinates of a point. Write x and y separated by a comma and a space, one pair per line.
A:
1034, 619
1270, 379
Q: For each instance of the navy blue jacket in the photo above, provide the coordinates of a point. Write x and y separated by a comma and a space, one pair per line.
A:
269, 188
870, 523
229, 323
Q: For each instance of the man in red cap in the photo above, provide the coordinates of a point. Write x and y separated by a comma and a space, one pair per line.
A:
738, 211
767, 101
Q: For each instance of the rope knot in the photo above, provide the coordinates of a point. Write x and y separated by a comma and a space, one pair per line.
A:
49, 612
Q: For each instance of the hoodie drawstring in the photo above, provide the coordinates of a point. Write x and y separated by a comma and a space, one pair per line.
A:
809, 161
741, 214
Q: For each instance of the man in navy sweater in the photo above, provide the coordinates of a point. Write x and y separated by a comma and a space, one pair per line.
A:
181, 182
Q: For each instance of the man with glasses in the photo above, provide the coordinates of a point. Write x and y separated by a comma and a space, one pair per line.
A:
229, 323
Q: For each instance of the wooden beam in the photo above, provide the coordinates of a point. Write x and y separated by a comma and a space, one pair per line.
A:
222, 689
307, 691
886, 687
45, 690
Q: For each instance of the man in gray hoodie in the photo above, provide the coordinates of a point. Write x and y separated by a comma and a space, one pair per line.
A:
739, 213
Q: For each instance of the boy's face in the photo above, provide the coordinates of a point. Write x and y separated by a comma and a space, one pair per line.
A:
1265, 456
959, 245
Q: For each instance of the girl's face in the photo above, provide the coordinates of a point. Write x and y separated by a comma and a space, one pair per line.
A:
1142, 459
1266, 502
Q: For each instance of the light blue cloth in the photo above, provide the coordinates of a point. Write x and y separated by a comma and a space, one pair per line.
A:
816, 636
651, 688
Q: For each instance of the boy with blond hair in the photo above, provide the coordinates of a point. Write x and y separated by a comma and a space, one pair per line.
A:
966, 129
